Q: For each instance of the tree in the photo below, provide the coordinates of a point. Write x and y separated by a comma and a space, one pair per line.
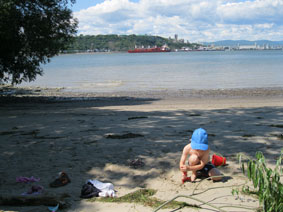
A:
31, 32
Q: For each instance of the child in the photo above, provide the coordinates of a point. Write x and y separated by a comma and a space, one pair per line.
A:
198, 163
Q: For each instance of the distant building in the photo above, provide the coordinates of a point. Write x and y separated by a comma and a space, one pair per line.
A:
247, 47
266, 46
176, 37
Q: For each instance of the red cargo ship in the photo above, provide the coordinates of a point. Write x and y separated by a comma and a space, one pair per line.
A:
150, 50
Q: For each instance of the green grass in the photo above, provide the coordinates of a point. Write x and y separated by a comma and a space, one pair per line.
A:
143, 197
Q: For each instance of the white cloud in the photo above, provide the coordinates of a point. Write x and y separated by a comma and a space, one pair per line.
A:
193, 20
252, 12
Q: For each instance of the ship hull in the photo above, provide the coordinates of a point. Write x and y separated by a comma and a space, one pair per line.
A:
149, 50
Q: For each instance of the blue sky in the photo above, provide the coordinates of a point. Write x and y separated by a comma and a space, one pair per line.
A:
84, 4
192, 20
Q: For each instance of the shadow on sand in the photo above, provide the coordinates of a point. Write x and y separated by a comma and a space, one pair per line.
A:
42, 136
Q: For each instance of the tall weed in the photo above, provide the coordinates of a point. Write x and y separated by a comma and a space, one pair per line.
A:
266, 181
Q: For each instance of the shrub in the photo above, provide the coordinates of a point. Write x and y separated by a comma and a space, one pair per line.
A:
266, 181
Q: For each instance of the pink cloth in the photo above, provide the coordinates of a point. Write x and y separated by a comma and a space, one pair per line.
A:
27, 179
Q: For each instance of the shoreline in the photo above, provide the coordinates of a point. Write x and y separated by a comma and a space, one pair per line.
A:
178, 51
149, 100
164, 94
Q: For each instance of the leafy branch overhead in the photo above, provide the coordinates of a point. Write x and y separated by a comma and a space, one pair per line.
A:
31, 32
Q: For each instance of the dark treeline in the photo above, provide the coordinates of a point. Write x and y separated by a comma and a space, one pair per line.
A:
113, 42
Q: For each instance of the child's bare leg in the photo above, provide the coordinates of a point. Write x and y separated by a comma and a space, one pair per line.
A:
194, 176
193, 160
215, 172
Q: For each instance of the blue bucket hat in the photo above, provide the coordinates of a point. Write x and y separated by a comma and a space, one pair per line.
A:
199, 139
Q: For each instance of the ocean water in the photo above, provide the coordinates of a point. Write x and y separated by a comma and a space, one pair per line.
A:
163, 71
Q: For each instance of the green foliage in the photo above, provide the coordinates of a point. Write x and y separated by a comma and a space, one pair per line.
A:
235, 191
120, 42
31, 32
142, 196
266, 182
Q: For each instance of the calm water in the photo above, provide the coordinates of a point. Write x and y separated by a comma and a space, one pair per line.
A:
159, 71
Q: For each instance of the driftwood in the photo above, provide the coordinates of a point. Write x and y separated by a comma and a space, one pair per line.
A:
123, 136
37, 200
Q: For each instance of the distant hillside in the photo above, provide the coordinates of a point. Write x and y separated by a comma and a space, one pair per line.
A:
244, 42
121, 42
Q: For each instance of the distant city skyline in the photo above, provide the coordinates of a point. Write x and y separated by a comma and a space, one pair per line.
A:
193, 20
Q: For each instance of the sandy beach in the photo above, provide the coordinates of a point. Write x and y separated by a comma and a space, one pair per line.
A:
98, 135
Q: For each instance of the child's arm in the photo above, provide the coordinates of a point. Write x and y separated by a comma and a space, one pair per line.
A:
184, 157
196, 167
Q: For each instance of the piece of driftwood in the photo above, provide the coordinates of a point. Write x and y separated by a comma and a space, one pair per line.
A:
33, 200
123, 136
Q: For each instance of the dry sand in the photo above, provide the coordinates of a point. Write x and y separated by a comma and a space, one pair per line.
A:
46, 131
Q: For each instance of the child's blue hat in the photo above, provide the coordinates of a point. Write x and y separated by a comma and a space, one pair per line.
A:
199, 139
